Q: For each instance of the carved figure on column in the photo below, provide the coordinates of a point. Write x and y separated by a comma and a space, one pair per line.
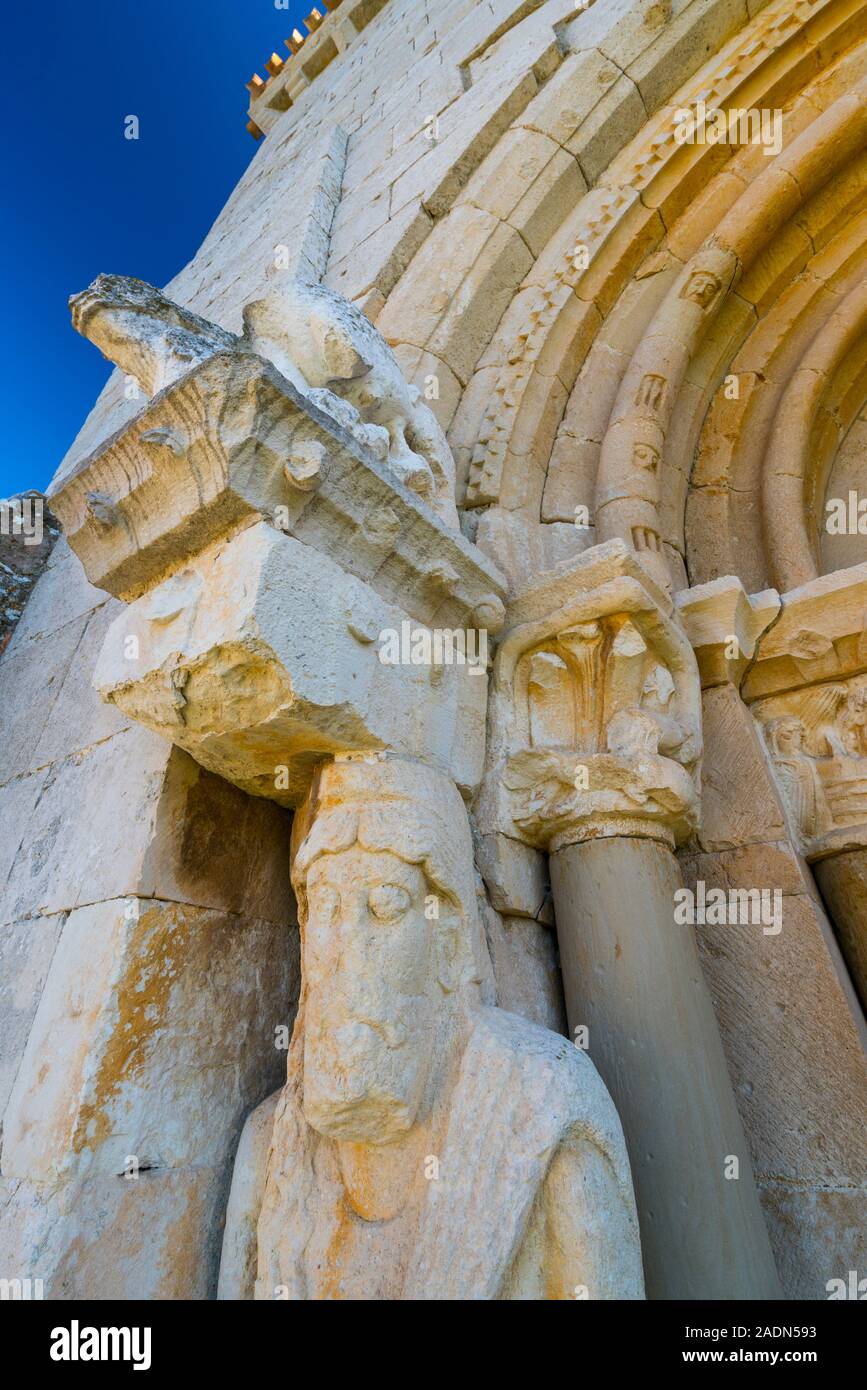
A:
426, 1145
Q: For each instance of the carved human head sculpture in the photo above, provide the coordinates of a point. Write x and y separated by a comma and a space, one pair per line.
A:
786, 736
392, 951
702, 288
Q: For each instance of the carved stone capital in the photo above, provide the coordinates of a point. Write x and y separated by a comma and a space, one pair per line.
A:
808, 690
596, 727
558, 799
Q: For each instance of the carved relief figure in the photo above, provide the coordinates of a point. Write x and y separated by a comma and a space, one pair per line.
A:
651, 391
426, 1145
819, 749
797, 774
644, 538
645, 456
854, 720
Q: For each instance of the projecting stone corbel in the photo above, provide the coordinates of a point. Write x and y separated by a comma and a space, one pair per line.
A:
323, 346
259, 525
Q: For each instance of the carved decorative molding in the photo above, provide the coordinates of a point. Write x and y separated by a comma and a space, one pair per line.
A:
820, 635
322, 346
724, 624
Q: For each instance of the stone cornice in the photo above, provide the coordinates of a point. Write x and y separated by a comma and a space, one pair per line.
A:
233, 442
819, 636
724, 624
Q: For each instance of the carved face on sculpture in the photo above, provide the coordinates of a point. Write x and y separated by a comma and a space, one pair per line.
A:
375, 968
786, 736
701, 288
645, 457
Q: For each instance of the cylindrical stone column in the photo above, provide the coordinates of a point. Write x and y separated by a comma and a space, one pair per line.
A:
842, 881
632, 975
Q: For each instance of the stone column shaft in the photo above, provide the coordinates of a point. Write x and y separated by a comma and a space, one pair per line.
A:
632, 975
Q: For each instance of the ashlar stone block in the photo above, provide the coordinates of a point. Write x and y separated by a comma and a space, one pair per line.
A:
147, 1043
262, 657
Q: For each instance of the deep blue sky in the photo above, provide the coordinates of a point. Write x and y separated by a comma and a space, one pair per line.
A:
78, 198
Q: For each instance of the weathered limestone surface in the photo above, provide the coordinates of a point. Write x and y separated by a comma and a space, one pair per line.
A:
842, 882
111, 1238
117, 946
480, 345
263, 655
633, 980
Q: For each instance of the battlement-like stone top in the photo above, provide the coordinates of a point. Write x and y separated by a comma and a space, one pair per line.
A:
309, 55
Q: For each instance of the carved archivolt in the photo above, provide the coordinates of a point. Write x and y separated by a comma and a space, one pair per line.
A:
684, 247
796, 465
654, 154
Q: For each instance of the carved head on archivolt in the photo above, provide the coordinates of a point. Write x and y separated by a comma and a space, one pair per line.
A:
393, 954
645, 456
701, 288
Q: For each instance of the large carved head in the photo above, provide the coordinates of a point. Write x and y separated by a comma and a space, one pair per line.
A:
391, 941
143, 333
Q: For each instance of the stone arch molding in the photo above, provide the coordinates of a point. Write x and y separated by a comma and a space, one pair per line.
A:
797, 465
548, 409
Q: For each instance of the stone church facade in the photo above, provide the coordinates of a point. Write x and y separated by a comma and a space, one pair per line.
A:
434, 802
